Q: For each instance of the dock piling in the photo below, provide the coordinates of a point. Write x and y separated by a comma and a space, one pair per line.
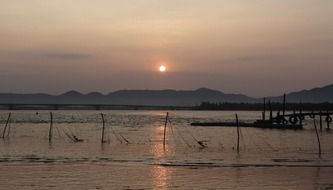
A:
300, 113
270, 110
327, 120
284, 107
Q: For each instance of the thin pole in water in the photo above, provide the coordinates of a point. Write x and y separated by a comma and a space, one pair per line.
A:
165, 125
7, 122
320, 121
237, 133
327, 120
284, 106
102, 141
51, 127
300, 113
264, 114
319, 146
270, 110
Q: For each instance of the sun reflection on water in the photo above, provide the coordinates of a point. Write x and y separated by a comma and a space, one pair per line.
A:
160, 174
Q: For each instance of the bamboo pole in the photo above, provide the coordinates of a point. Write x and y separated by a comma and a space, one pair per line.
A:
51, 127
270, 110
5, 128
103, 129
165, 125
319, 145
284, 107
264, 114
237, 123
320, 121
328, 123
8, 124
300, 113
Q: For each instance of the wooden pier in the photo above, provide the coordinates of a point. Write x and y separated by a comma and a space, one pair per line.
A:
254, 125
282, 120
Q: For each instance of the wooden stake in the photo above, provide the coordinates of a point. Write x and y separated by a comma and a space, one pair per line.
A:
51, 127
319, 145
5, 128
300, 113
270, 110
320, 121
165, 125
284, 106
264, 114
328, 123
103, 129
237, 123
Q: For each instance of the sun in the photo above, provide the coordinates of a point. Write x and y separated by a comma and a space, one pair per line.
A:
162, 68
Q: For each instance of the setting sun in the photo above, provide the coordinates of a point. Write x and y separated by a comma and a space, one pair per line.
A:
162, 68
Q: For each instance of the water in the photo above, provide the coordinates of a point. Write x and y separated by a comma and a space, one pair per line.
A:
134, 156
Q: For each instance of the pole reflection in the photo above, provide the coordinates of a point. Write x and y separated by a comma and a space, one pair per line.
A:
160, 174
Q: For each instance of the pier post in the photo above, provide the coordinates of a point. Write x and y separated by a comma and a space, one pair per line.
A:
270, 110
165, 125
284, 107
328, 123
300, 114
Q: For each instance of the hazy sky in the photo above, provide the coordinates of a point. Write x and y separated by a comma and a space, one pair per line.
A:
254, 47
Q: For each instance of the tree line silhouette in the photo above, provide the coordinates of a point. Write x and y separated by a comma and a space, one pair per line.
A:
275, 106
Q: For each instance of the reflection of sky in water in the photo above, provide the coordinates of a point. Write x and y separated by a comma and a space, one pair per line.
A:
144, 164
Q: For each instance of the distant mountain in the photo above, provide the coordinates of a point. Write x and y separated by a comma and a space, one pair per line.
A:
129, 97
315, 95
173, 97
162, 97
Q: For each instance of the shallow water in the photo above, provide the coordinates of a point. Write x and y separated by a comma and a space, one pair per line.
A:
134, 156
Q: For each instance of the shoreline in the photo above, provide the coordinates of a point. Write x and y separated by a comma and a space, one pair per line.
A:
211, 107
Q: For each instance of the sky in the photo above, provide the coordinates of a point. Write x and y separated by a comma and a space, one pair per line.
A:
258, 47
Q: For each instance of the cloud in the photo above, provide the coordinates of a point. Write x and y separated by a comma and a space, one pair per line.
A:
48, 55
266, 58
63, 56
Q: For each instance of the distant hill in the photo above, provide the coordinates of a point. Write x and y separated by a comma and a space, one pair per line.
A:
129, 97
162, 97
174, 98
315, 95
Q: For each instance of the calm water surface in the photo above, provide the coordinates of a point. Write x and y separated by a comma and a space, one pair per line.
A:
134, 156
